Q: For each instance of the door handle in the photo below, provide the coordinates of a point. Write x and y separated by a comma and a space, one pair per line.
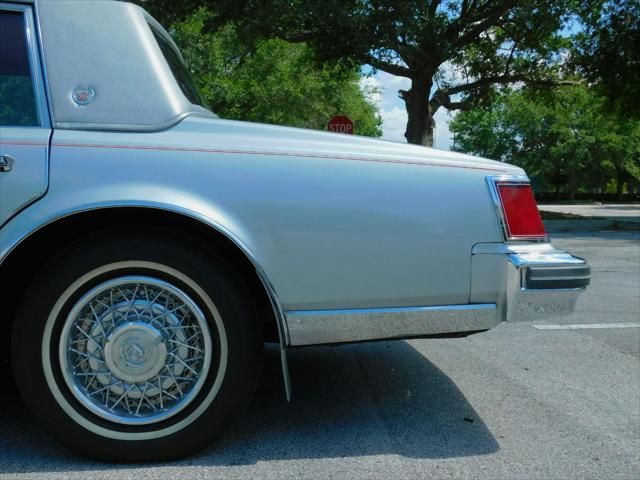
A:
6, 163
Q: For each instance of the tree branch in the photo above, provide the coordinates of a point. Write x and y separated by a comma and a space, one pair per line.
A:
293, 38
440, 99
442, 96
488, 19
475, 19
410, 53
391, 68
464, 7
503, 79
433, 6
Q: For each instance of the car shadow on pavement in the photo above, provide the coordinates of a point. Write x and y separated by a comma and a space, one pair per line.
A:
348, 401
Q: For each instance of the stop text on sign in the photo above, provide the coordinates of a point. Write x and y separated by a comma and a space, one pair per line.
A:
340, 124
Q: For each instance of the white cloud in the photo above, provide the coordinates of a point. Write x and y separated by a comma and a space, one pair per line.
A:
389, 85
443, 137
393, 112
372, 90
394, 123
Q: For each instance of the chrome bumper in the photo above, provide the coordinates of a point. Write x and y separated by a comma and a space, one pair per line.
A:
543, 283
513, 282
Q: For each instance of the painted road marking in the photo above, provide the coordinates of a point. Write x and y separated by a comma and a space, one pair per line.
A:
581, 326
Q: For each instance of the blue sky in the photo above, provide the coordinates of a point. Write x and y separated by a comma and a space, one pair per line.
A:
393, 113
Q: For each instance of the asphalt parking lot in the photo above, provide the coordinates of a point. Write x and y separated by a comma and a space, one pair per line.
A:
515, 402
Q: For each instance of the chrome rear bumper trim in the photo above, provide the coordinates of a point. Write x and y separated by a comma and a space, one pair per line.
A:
542, 285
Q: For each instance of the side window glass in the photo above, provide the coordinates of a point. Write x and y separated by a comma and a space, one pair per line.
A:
17, 98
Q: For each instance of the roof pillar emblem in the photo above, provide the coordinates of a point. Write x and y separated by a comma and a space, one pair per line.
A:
83, 96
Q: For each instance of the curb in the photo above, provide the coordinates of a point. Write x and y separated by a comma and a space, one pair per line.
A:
591, 224
626, 225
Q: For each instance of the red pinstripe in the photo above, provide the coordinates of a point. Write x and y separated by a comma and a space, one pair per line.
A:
255, 152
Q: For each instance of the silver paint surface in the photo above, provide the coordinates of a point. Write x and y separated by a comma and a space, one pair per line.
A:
332, 222
349, 232
28, 146
108, 47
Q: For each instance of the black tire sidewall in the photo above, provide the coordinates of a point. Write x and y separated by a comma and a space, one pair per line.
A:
191, 258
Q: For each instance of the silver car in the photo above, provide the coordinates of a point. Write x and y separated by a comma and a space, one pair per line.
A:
148, 248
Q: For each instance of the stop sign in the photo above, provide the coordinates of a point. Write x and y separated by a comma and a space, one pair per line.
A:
341, 124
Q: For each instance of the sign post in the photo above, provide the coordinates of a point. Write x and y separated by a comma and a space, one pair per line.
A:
341, 124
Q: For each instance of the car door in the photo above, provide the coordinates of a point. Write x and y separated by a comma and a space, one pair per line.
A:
24, 121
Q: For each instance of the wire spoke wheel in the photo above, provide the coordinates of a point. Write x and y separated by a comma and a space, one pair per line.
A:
150, 345
135, 350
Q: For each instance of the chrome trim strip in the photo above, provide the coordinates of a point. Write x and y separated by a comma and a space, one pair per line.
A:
561, 279
492, 181
43, 64
508, 248
544, 260
133, 128
313, 327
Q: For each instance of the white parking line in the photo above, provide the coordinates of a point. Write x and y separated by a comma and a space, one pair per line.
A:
581, 326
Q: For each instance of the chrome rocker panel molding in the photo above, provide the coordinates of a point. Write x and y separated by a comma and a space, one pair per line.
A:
314, 327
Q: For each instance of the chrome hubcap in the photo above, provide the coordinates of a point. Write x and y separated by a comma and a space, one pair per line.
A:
135, 350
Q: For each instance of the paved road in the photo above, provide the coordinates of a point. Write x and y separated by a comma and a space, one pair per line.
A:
515, 402
623, 212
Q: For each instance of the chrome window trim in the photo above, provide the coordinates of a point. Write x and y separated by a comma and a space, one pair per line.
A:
492, 183
37, 78
134, 128
43, 66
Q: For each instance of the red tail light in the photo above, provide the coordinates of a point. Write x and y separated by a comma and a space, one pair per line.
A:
521, 216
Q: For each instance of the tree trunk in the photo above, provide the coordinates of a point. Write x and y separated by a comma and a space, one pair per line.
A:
619, 183
420, 125
573, 185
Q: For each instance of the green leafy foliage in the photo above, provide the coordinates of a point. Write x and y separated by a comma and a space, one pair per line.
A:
453, 51
607, 51
274, 81
17, 101
565, 138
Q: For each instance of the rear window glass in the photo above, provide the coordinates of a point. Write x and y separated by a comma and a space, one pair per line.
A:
178, 68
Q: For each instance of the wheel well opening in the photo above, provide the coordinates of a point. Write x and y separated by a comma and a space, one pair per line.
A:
28, 257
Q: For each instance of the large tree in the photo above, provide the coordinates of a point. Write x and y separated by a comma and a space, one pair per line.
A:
272, 82
452, 51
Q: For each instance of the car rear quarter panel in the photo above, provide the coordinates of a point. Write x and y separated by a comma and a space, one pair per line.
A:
328, 233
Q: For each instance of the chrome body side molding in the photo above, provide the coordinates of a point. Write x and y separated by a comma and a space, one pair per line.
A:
313, 327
